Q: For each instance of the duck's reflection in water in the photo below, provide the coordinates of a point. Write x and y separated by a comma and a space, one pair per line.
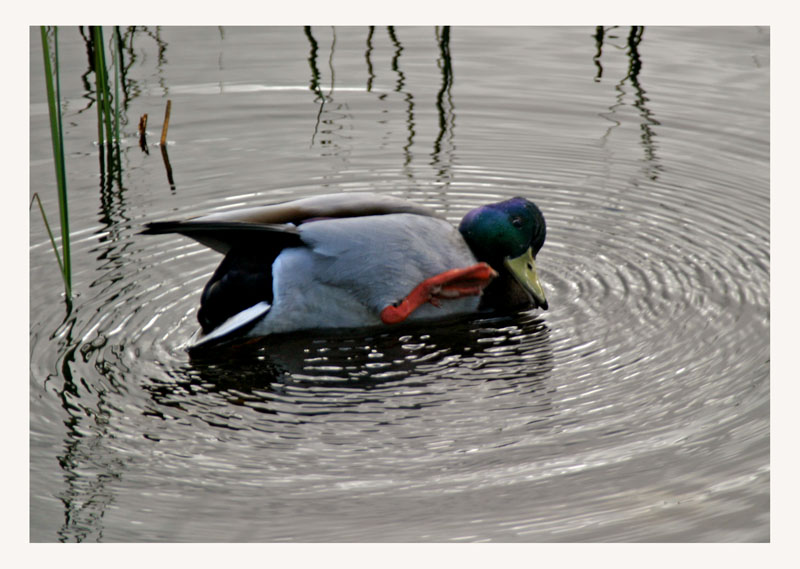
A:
349, 371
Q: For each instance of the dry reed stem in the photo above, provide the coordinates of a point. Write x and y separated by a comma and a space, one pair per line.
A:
143, 132
166, 123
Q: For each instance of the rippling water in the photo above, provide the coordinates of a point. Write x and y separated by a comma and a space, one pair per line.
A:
635, 409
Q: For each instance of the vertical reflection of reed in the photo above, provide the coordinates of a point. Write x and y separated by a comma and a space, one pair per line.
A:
443, 142
87, 86
368, 56
633, 41
312, 62
315, 75
598, 42
326, 122
407, 96
89, 469
129, 86
220, 65
85, 497
112, 192
444, 105
330, 60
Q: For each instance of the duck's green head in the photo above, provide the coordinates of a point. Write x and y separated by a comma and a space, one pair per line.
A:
508, 235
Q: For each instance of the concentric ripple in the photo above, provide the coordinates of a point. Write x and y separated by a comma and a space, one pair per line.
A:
640, 357
635, 409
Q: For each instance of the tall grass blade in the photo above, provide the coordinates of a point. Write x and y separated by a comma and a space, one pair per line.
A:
97, 90
107, 119
117, 56
49, 231
101, 85
56, 134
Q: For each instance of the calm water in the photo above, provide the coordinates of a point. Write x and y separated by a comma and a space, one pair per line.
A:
635, 409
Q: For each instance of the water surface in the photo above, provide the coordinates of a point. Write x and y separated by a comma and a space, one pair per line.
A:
635, 409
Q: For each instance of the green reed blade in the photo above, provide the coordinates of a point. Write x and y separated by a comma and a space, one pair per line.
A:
56, 132
117, 56
101, 86
49, 231
63, 208
97, 90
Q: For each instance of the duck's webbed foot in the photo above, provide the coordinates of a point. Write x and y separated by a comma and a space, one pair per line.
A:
449, 285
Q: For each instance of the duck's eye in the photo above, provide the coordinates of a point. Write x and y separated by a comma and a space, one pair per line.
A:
516, 222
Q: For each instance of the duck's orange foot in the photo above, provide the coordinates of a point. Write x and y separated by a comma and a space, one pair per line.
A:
449, 285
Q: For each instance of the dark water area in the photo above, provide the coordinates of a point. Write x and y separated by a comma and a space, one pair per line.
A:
637, 408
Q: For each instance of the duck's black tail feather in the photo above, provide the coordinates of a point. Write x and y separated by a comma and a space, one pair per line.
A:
244, 277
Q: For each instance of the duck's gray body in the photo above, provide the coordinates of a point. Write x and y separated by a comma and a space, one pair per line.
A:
338, 261
350, 269
356, 260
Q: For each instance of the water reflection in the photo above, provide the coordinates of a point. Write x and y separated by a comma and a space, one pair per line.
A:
326, 122
446, 109
110, 154
89, 471
85, 380
444, 101
129, 86
315, 77
368, 58
294, 372
624, 383
113, 209
648, 120
293, 380
599, 34
407, 97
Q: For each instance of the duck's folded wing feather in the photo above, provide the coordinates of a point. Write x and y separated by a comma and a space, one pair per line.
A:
353, 204
222, 236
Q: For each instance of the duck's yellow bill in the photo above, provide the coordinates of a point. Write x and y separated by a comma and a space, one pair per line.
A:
524, 270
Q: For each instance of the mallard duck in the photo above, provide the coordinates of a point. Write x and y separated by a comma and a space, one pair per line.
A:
355, 260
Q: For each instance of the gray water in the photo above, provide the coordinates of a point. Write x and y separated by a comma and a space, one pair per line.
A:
635, 409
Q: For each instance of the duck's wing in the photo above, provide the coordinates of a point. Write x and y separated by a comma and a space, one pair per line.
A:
276, 223
222, 236
352, 204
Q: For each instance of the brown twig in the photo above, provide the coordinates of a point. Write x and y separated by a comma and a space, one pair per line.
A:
166, 123
143, 133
